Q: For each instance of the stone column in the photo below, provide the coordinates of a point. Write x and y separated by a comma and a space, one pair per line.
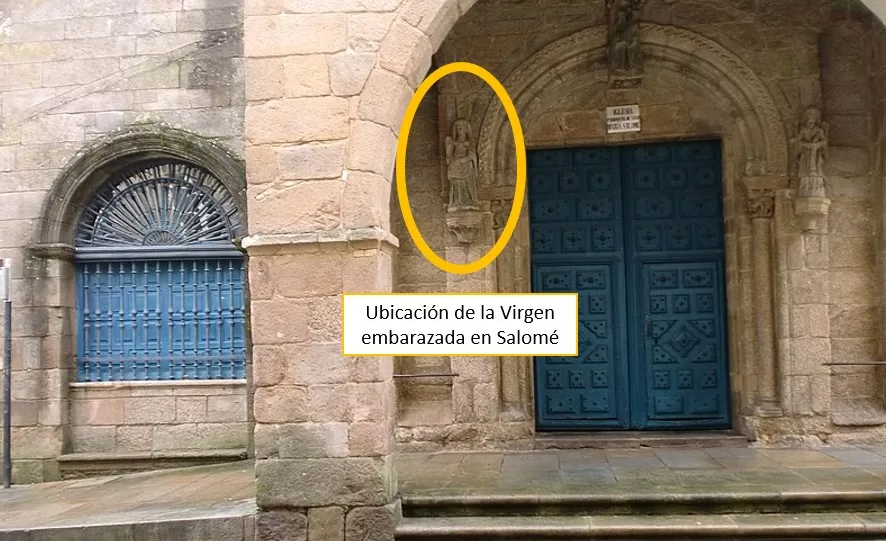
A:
760, 205
514, 371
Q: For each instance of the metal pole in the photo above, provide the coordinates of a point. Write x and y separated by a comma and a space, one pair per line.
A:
5, 294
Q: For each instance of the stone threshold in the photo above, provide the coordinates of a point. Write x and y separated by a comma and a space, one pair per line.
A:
740, 526
76, 465
637, 440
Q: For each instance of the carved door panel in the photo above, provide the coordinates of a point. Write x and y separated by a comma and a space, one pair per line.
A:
675, 262
610, 223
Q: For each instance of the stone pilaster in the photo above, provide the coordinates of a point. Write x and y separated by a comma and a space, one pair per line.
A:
324, 423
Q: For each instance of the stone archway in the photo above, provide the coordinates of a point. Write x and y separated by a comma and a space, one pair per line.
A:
87, 170
755, 165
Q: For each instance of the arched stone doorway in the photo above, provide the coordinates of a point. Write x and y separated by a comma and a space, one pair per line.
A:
346, 230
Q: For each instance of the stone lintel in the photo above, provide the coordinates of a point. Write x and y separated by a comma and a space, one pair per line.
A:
359, 239
322, 482
52, 251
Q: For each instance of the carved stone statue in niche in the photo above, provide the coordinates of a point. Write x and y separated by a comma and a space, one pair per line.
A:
624, 36
461, 168
812, 149
811, 204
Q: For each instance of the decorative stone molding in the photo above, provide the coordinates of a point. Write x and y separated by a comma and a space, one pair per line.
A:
464, 224
85, 172
62, 251
359, 238
730, 80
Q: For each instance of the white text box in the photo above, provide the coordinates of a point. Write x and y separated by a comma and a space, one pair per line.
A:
534, 324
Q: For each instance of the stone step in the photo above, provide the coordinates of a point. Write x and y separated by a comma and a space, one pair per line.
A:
639, 440
642, 503
77, 465
845, 526
235, 522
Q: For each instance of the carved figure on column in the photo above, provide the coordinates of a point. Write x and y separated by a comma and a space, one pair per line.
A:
812, 149
624, 36
461, 168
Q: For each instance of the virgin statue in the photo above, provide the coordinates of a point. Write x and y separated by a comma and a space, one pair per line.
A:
461, 168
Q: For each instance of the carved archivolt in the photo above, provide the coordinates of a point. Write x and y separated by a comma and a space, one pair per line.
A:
730, 80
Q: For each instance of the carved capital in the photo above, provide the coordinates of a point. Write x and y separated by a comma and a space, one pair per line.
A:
759, 204
501, 209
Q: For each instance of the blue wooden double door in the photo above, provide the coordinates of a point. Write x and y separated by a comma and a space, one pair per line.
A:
637, 232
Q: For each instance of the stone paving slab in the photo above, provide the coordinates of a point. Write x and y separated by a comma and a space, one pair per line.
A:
209, 495
645, 470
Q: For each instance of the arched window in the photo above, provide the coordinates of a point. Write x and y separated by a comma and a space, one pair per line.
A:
160, 283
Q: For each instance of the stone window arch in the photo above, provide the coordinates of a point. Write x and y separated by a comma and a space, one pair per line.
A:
150, 222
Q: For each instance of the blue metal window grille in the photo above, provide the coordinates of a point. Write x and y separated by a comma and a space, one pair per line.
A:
160, 285
161, 320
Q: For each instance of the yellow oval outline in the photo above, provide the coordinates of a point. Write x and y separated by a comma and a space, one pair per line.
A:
520, 188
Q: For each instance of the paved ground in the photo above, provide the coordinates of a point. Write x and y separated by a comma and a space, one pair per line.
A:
227, 490
638, 470
180, 494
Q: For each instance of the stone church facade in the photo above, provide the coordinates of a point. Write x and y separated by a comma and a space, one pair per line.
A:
188, 187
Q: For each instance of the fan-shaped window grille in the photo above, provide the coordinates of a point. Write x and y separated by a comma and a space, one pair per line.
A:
160, 283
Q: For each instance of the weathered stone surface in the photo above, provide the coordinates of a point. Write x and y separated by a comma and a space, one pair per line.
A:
370, 438
366, 30
329, 403
348, 72
305, 34
307, 206
313, 161
281, 525
264, 78
370, 523
385, 98
326, 524
281, 404
310, 364
151, 410
323, 482
268, 365
306, 76
265, 315
297, 120
372, 147
406, 50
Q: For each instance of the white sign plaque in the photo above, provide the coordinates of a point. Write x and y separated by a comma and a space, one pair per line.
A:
623, 119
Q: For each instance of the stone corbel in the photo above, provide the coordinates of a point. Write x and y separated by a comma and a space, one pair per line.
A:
811, 212
464, 224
